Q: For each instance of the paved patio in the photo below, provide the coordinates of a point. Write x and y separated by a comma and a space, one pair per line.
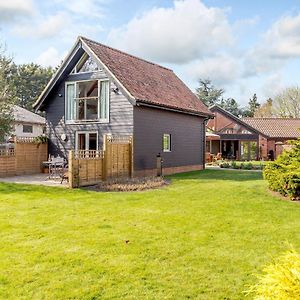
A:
38, 179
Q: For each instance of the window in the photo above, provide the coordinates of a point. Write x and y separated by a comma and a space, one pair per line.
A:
228, 130
86, 140
167, 142
87, 100
85, 64
27, 129
244, 131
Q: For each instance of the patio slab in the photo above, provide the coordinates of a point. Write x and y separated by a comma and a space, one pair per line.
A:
38, 179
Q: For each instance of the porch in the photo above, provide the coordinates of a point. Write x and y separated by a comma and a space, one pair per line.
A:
232, 148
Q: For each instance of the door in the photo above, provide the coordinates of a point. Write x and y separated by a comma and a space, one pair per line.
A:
86, 140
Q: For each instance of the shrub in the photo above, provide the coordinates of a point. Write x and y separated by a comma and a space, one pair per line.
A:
247, 166
224, 165
283, 175
281, 279
234, 165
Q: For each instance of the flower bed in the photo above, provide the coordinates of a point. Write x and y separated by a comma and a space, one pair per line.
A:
242, 165
130, 184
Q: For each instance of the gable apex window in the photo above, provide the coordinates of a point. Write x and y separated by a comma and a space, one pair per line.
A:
166, 142
27, 128
85, 64
87, 101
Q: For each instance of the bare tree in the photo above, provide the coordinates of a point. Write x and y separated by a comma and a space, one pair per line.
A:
287, 103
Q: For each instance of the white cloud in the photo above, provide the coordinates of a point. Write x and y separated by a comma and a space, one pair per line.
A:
13, 9
86, 8
272, 85
45, 28
179, 34
50, 57
277, 46
221, 69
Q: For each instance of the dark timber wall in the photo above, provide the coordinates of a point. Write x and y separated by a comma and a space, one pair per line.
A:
187, 138
121, 117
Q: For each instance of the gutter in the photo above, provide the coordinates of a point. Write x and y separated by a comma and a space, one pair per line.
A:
204, 115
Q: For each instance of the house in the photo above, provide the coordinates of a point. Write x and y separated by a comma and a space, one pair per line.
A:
248, 138
231, 136
274, 133
27, 123
99, 90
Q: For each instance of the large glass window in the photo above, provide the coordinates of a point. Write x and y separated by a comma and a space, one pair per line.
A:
87, 100
248, 150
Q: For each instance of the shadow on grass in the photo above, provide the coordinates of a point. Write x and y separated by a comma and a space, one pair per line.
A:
10, 188
219, 175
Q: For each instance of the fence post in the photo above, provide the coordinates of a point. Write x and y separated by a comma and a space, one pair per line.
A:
71, 169
131, 170
104, 161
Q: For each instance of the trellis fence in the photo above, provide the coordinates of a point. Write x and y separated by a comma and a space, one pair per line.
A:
88, 167
26, 157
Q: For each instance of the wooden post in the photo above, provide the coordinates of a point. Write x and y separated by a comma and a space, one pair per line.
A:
71, 169
131, 170
104, 161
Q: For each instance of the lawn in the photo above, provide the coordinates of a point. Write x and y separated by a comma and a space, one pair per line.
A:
203, 236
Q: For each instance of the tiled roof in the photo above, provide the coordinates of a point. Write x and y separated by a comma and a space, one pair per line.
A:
275, 127
148, 82
25, 116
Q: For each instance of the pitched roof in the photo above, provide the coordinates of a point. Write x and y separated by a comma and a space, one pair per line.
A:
275, 127
23, 115
144, 81
238, 120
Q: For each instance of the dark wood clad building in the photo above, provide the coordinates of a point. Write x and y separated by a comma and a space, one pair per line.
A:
100, 90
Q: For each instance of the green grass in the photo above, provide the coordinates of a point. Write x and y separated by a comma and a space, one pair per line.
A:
201, 237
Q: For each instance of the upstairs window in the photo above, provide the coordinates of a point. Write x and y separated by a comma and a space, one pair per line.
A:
27, 129
85, 64
167, 142
87, 100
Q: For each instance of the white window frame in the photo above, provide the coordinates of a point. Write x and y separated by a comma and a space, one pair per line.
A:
163, 144
74, 70
101, 121
27, 131
86, 138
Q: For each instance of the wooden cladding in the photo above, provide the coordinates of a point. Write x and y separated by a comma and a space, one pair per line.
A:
88, 167
26, 158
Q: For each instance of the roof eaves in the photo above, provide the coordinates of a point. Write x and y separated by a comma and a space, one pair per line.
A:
229, 114
57, 75
173, 108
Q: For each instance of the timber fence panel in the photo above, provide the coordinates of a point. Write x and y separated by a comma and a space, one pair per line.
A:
26, 158
88, 167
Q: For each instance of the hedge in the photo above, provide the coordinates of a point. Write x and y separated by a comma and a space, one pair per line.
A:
283, 175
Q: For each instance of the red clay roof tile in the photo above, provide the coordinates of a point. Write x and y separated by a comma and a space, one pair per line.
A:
148, 82
276, 127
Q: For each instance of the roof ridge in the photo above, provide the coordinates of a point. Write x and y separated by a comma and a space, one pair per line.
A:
125, 53
268, 118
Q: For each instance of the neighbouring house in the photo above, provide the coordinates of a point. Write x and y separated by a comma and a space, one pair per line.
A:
274, 133
99, 90
248, 138
27, 123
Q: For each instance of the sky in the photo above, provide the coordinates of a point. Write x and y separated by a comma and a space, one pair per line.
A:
244, 47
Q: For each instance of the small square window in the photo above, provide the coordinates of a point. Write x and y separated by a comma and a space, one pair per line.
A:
27, 128
167, 142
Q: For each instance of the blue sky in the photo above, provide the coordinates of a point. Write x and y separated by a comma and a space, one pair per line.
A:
244, 47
